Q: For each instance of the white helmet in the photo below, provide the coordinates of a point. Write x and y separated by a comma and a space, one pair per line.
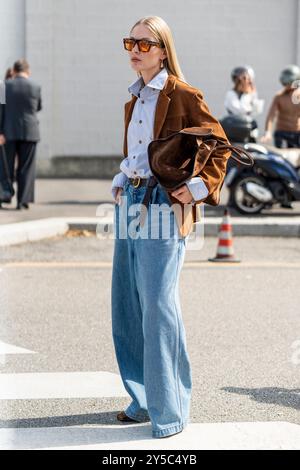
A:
290, 74
237, 71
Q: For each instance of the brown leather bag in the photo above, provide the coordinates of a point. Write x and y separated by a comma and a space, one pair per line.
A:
180, 156
177, 158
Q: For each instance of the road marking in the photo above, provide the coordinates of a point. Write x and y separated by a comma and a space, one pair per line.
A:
60, 385
6, 348
240, 435
57, 264
187, 264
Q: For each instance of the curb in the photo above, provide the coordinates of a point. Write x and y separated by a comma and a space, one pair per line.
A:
22, 232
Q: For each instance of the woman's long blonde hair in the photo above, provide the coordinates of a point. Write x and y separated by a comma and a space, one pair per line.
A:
162, 33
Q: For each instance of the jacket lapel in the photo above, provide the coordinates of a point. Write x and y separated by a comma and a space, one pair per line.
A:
161, 110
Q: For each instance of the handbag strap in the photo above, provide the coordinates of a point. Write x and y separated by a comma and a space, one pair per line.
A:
206, 133
238, 151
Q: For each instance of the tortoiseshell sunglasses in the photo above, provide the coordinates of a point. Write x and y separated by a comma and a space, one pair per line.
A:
143, 44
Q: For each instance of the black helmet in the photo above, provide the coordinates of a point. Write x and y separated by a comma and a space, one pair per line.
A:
238, 128
237, 71
289, 75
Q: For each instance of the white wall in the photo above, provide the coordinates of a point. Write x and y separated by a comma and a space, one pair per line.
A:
12, 33
76, 53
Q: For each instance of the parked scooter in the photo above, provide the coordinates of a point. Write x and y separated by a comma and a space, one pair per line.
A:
273, 179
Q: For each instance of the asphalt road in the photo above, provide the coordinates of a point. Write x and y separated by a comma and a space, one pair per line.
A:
242, 326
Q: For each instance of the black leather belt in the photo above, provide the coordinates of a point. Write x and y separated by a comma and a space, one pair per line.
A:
150, 183
138, 181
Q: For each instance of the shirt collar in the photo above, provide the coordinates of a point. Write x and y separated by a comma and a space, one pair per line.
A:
157, 82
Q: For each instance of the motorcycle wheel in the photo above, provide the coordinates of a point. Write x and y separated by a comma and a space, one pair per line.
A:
241, 200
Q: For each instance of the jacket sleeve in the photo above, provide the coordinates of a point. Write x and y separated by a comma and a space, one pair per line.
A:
214, 171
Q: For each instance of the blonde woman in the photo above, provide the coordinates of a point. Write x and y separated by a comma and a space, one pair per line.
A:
148, 332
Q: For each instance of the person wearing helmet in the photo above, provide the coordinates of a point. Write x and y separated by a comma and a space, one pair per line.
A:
285, 109
242, 100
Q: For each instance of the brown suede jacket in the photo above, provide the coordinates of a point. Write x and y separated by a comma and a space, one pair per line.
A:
180, 105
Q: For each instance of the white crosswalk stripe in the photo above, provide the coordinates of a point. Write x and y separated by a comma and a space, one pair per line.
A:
44, 385
220, 436
6, 348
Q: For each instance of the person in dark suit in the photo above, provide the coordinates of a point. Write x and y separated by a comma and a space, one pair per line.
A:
19, 129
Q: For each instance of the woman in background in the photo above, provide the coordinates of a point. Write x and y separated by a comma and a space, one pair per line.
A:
285, 110
243, 100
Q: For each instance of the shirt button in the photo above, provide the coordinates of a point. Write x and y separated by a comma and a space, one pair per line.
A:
140, 121
133, 156
140, 141
134, 172
142, 101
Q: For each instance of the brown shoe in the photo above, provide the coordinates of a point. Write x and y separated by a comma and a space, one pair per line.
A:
122, 416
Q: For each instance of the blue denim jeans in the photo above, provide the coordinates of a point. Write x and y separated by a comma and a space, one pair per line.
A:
147, 326
287, 139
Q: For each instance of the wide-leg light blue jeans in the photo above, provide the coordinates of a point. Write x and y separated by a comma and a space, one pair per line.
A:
147, 327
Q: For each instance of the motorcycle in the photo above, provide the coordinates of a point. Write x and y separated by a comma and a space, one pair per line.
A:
273, 179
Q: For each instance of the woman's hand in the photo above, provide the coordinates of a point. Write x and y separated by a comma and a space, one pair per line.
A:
183, 194
2, 139
118, 194
267, 137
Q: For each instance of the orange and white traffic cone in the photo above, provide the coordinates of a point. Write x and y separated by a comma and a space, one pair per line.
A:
225, 252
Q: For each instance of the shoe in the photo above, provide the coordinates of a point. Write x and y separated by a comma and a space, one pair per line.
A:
287, 205
22, 205
122, 416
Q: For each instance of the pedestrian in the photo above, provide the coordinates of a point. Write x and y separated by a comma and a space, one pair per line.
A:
19, 129
285, 110
147, 326
242, 100
6, 187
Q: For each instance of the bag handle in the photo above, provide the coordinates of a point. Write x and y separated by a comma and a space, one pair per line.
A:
238, 151
207, 132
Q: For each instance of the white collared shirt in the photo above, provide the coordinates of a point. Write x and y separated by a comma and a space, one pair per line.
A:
140, 134
244, 104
